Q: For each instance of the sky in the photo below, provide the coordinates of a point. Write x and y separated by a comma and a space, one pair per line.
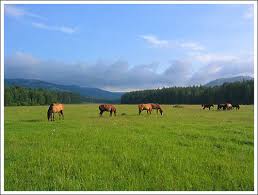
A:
128, 47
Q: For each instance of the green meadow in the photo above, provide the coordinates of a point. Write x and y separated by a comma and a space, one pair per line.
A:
185, 149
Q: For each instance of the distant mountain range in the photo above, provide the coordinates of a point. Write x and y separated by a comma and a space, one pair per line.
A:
99, 93
83, 91
221, 81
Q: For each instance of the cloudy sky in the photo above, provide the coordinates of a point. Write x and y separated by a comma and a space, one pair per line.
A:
128, 47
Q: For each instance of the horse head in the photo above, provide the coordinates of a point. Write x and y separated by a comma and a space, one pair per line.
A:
161, 111
49, 113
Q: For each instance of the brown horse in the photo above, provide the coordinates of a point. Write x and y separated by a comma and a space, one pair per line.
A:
107, 107
147, 107
158, 108
236, 106
207, 106
221, 106
55, 108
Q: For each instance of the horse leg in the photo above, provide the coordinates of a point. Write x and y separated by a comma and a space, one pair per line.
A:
62, 114
110, 113
100, 113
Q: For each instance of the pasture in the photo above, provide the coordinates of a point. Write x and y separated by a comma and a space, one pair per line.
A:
187, 148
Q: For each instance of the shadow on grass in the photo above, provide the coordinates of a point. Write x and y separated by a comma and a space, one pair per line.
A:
32, 120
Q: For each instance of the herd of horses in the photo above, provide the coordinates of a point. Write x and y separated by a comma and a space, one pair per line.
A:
59, 108
226, 106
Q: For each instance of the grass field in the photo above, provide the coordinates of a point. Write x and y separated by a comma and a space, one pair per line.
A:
186, 149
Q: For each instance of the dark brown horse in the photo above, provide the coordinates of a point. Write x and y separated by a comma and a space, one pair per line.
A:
207, 106
108, 108
158, 108
236, 106
222, 106
55, 108
147, 107
227, 106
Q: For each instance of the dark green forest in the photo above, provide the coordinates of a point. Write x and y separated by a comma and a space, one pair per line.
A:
21, 96
237, 92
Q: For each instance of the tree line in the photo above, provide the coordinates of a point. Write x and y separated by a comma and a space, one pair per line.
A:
237, 92
22, 96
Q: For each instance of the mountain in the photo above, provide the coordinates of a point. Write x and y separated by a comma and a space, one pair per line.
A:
83, 91
221, 81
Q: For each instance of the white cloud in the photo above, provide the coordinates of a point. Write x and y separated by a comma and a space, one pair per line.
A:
249, 13
64, 29
17, 12
120, 76
14, 11
211, 57
162, 43
222, 66
192, 46
24, 57
155, 41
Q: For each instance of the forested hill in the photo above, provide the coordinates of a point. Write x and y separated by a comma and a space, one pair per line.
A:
237, 92
21, 96
221, 81
83, 91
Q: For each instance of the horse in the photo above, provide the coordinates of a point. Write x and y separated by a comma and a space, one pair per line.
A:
207, 106
147, 107
229, 106
222, 106
55, 108
236, 106
107, 107
157, 107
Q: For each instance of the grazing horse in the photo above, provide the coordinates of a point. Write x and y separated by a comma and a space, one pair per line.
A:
158, 108
207, 106
147, 107
107, 107
55, 108
236, 106
220, 106
229, 106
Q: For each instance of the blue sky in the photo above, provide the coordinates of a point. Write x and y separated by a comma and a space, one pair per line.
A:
128, 47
